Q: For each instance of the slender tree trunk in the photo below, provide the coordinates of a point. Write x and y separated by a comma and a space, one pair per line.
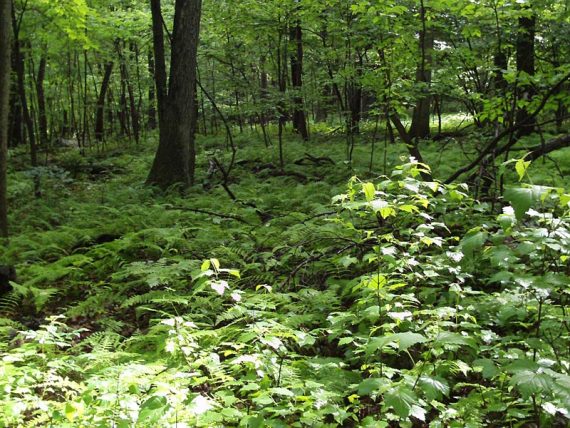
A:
151, 94
354, 98
132, 104
124, 113
5, 66
282, 82
299, 119
16, 131
110, 113
100, 114
175, 158
20, 73
421, 115
525, 64
42, 114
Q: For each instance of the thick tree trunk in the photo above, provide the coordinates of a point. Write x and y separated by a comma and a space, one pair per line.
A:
175, 158
100, 114
421, 115
5, 66
525, 64
299, 119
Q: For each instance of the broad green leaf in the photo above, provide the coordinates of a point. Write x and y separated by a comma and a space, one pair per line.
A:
454, 339
489, 369
532, 382
522, 166
74, 410
368, 386
404, 340
369, 191
473, 242
345, 341
152, 410
401, 399
434, 387
387, 212
522, 198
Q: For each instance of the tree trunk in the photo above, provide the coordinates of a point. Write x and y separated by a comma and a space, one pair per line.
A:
5, 66
354, 97
124, 113
421, 115
42, 114
100, 114
151, 94
525, 64
20, 73
175, 158
299, 119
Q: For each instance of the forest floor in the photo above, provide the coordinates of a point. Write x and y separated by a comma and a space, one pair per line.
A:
286, 306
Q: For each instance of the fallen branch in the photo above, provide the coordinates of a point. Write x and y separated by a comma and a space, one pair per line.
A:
552, 145
493, 143
316, 160
207, 212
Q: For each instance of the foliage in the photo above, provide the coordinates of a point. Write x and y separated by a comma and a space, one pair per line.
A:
405, 302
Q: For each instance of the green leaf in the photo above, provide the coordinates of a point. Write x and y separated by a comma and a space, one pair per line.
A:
282, 391
404, 340
449, 338
369, 191
401, 399
152, 410
532, 382
368, 386
434, 387
521, 166
472, 242
522, 198
489, 369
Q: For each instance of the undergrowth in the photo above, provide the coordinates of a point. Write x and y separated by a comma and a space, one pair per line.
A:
304, 302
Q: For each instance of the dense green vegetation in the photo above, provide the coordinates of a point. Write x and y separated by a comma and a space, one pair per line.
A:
288, 213
387, 301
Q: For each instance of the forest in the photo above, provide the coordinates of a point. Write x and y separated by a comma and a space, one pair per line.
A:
285, 213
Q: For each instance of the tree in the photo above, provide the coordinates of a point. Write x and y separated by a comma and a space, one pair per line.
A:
175, 158
421, 115
5, 66
299, 121
526, 67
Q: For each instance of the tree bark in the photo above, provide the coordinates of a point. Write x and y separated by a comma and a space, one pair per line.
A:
299, 119
100, 114
354, 97
20, 73
42, 114
420, 119
159, 74
525, 64
175, 158
151, 94
5, 66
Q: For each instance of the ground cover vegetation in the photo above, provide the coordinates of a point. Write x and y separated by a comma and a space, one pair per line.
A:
313, 213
